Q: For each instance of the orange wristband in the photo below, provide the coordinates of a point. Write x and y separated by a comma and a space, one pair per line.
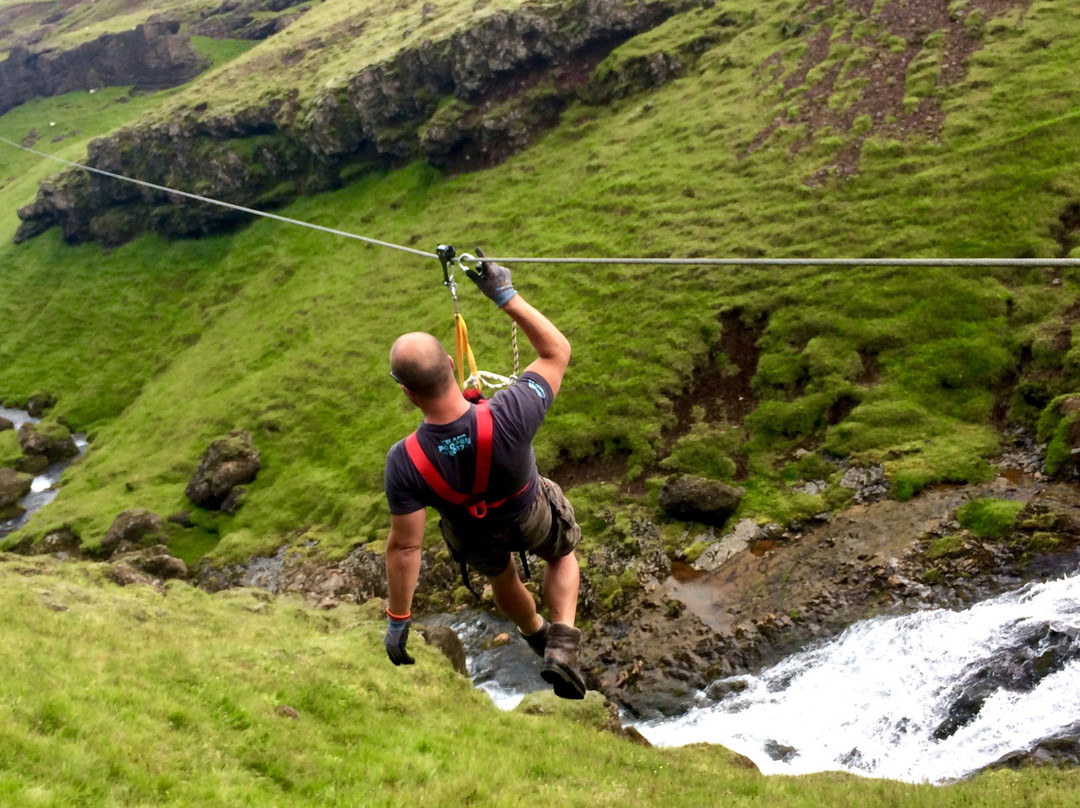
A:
393, 616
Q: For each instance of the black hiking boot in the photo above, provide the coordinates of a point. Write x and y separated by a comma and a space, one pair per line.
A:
560, 661
538, 639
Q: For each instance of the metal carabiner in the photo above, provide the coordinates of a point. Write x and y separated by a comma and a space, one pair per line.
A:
446, 255
462, 262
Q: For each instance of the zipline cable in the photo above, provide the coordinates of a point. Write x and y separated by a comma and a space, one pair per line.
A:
230, 205
465, 257
796, 262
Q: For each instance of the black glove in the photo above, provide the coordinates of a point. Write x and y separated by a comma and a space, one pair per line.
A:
397, 634
493, 280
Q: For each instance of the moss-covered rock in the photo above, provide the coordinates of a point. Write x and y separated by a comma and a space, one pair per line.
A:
39, 403
989, 518
1059, 425
10, 450
230, 461
695, 499
48, 438
13, 487
136, 526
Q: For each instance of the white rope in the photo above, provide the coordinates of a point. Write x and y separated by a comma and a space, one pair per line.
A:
514, 347
465, 257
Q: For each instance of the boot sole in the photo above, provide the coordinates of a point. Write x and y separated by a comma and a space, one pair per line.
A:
564, 680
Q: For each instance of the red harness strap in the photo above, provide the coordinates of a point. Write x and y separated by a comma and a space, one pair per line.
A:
485, 433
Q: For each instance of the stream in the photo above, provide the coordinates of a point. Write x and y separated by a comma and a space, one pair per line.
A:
929, 697
43, 490
506, 670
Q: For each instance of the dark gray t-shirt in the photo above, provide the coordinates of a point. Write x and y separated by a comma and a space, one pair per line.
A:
517, 413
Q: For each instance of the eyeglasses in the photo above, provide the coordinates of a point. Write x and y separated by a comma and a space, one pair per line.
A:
395, 378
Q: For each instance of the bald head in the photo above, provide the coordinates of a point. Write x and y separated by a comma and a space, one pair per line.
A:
419, 362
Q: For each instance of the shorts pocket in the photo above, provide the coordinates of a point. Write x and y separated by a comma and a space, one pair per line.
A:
569, 531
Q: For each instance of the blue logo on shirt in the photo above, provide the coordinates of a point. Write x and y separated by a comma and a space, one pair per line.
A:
451, 446
536, 388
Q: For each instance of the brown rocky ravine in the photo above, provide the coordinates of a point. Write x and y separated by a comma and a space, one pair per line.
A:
681, 629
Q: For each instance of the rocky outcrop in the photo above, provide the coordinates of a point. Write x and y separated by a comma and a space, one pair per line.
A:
135, 526
62, 542
1062, 751
49, 439
228, 464
868, 483
467, 100
156, 561
746, 532
695, 499
244, 19
150, 56
357, 578
13, 487
6, 424
123, 574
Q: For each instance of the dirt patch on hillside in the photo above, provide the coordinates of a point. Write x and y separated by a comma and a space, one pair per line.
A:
610, 468
722, 387
1066, 232
875, 77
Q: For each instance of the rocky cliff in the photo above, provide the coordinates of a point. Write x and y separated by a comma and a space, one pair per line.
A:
150, 56
467, 100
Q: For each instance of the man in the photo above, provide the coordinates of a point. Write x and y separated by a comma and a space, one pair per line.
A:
517, 509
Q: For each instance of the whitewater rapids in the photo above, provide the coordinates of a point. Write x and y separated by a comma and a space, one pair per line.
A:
928, 697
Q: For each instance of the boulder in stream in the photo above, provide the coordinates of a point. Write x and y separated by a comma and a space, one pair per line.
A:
13, 487
48, 438
446, 640
39, 403
229, 462
6, 424
32, 464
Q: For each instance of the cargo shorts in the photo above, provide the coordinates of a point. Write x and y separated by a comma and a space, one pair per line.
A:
548, 530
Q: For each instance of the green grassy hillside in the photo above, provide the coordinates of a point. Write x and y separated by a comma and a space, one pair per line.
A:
766, 146
63, 25
125, 697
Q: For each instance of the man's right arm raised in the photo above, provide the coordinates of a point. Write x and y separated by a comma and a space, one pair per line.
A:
550, 344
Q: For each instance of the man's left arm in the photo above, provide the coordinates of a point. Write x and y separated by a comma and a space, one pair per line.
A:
403, 550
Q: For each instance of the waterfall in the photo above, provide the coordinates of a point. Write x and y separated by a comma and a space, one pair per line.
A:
929, 697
